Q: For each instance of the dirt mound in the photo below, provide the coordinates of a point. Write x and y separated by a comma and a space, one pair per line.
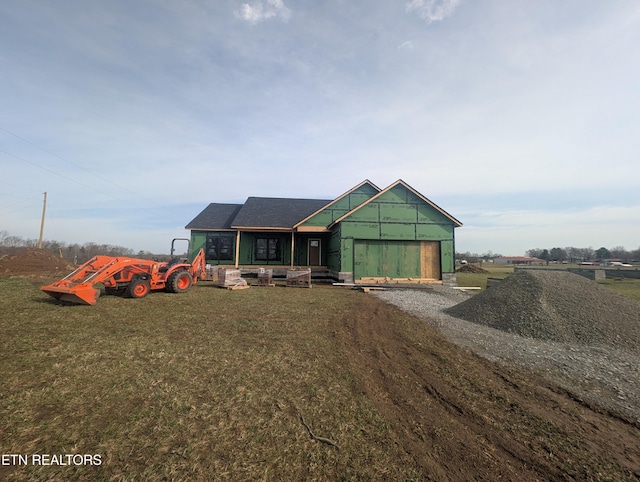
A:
470, 268
556, 306
33, 262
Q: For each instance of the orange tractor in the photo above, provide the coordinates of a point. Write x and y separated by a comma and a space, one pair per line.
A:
130, 277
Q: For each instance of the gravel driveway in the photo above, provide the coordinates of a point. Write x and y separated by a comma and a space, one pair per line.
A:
607, 376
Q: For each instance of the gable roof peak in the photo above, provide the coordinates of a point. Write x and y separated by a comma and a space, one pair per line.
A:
342, 196
410, 189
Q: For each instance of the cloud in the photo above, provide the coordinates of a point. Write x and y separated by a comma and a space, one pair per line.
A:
407, 46
432, 10
260, 11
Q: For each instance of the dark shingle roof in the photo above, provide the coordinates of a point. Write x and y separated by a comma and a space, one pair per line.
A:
265, 212
215, 216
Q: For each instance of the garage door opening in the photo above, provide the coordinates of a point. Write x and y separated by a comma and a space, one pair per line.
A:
397, 259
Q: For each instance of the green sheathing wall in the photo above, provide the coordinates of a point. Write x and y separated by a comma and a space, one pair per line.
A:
333, 250
346, 258
342, 207
447, 258
300, 250
199, 240
397, 215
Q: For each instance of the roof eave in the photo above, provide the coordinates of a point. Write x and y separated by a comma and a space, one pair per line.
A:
209, 229
262, 228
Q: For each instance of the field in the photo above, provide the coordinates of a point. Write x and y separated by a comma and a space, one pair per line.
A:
625, 286
480, 279
229, 385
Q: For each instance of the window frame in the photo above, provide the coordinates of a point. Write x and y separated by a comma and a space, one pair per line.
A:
268, 249
219, 248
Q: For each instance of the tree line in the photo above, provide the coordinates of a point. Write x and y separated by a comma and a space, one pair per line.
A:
577, 255
569, 254
79, 253
74, 253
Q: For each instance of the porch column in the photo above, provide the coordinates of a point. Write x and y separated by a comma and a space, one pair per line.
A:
292, 246
237, 247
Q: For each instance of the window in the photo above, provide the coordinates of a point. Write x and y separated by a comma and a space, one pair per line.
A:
219, 248
268, 249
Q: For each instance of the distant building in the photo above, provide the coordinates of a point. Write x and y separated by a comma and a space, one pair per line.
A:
517, 260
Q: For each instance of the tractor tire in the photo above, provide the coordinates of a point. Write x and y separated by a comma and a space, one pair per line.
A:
179, 282
138, 288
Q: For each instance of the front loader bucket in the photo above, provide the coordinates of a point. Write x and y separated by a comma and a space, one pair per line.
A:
83, 294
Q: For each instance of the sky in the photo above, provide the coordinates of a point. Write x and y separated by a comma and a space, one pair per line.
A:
521, 119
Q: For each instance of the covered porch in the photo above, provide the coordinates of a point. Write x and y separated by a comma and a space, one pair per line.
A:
319, 274
253, 249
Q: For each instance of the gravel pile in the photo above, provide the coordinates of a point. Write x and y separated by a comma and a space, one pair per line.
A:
602, 374
556, 306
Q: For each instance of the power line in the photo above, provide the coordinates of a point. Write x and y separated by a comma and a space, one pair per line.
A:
59, 175
66, 160
18, 203
22, 188
137, 194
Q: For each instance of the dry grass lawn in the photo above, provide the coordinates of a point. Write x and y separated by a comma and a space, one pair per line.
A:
212, 384
208, 383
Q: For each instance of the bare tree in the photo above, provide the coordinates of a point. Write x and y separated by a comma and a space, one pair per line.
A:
620, 253
588, 254
534, 253
574, 254
557, 254
13, 241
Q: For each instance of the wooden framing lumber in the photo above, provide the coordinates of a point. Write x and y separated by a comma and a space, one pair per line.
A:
238, 287
376, 280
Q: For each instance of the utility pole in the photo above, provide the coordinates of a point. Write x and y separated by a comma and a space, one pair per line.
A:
44, 210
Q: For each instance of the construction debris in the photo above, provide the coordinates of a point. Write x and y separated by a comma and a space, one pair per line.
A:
367, 289
471, 268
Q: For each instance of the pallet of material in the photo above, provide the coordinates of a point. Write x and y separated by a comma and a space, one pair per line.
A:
211, 272
299, 278
231, 279
265, 277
